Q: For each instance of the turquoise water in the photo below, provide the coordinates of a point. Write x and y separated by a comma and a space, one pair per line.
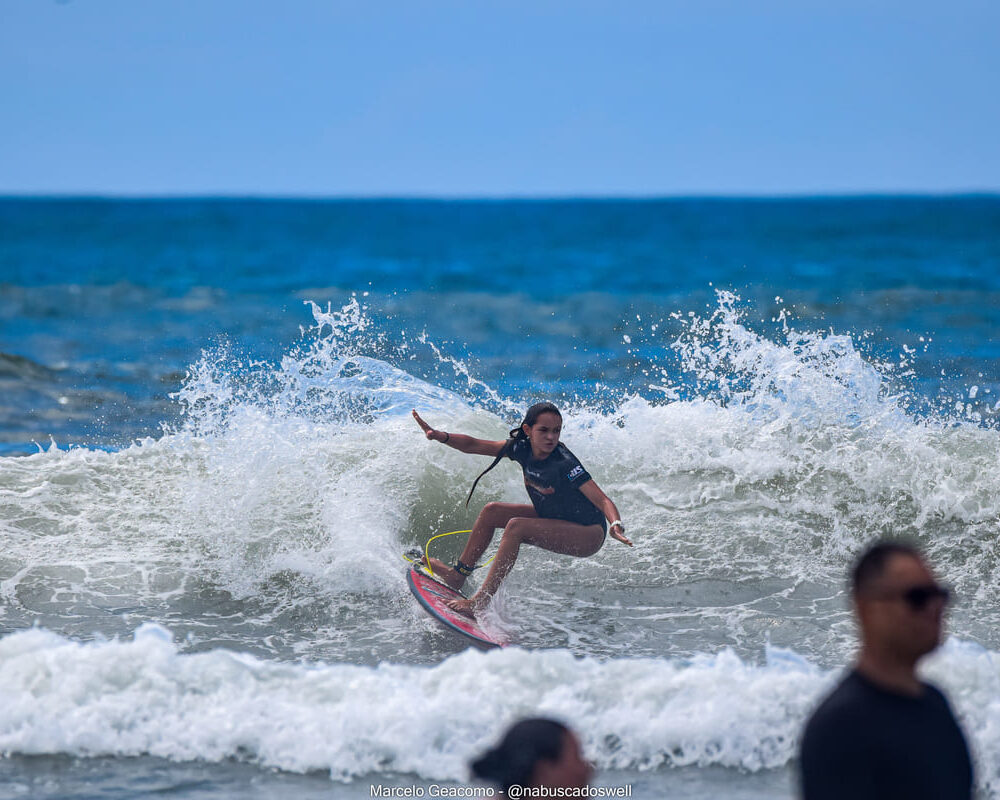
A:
209, 471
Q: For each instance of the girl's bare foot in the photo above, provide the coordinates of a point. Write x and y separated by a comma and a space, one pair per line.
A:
447, 575
462, 606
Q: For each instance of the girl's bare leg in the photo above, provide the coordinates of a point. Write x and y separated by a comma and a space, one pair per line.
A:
555, 535
493, 516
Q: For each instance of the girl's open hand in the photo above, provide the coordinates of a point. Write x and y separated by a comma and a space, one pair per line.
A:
429, 432
615, 533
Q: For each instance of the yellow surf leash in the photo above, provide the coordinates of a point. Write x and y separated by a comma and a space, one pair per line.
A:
427, 552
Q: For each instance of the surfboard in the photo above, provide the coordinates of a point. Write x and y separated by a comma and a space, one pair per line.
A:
433, 595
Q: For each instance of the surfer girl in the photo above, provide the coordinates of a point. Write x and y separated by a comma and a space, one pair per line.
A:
569, 513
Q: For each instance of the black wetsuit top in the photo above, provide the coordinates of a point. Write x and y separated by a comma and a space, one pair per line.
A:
866, 742
554, 483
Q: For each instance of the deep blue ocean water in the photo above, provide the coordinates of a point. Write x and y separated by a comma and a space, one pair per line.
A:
207, 471
114, 300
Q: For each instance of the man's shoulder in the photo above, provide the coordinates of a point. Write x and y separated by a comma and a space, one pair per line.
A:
937, 702
843, 695
934, 693
845, 700
838, 730
868, 738
855, 699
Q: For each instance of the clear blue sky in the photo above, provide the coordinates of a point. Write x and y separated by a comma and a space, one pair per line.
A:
468, 97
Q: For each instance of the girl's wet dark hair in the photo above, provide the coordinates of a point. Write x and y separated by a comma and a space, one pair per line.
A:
526, 743
530, 418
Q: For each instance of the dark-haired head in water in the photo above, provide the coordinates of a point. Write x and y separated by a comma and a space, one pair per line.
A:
533, 753
568, 511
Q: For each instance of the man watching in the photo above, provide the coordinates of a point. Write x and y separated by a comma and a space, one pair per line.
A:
883, 733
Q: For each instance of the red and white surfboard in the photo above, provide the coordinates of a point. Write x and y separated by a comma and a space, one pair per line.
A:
433, 596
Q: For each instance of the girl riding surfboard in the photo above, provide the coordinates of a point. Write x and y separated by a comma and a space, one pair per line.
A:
569, 513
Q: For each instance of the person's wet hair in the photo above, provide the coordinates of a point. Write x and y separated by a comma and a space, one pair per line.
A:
513, 760
872, 562
530, 418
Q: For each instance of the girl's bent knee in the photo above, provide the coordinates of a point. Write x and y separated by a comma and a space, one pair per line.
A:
493, 514
516, 526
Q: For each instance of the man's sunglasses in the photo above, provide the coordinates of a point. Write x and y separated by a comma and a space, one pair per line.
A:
917, 597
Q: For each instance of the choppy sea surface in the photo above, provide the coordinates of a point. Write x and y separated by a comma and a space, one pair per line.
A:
208, 473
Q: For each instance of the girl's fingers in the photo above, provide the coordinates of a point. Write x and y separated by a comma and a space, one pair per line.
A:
427, 429
420, 422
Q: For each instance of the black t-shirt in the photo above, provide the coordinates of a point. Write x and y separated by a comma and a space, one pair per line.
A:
866, 742
554, 483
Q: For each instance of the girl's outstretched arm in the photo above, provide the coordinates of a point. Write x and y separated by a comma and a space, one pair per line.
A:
596, 496
459, 441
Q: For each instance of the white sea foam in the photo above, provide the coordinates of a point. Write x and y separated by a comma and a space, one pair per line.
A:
299, 484
143, 696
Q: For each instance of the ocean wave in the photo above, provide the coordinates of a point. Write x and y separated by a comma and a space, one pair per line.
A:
14, 367
144, 696
297, 485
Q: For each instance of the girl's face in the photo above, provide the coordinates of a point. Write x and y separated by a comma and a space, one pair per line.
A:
544, 434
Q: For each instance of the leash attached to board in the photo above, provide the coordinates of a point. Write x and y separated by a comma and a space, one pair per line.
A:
427, 553
434, 595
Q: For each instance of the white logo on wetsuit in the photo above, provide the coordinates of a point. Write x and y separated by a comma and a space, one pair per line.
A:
577, 470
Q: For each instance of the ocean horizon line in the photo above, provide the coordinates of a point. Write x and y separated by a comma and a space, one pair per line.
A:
496, 198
